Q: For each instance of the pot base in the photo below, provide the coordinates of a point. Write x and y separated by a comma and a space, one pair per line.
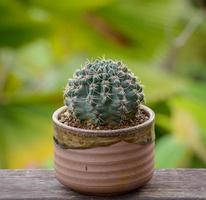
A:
94, 192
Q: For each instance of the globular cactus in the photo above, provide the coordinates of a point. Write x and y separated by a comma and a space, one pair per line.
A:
103, 92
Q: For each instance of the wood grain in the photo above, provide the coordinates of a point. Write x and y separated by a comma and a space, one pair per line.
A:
167, 184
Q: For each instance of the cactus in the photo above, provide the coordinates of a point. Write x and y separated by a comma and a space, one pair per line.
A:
103, 92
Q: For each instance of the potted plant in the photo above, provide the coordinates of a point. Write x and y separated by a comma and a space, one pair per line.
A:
104, 135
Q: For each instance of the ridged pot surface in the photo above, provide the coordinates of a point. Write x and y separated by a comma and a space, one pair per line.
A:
109, 170
105, 170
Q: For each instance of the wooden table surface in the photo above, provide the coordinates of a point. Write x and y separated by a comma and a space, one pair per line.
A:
184, 184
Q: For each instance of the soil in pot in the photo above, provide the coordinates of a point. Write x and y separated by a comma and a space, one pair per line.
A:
67, 119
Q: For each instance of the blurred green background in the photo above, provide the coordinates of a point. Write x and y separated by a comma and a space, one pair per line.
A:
43, 42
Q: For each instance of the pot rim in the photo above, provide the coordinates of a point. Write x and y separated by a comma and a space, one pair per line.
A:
108, 132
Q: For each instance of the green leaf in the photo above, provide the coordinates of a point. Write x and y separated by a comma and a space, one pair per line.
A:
17, 26
196, 108
26, 131
170, 153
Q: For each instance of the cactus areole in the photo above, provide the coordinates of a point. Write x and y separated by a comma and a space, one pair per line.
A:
103, 92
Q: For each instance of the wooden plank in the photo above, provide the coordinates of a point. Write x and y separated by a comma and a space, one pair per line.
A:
167, 184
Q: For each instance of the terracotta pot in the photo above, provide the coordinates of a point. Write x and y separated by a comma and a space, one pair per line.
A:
107, 170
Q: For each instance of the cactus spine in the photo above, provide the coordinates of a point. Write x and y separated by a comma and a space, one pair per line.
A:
103, 92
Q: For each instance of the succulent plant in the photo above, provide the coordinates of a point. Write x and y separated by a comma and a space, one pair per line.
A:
103, 92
